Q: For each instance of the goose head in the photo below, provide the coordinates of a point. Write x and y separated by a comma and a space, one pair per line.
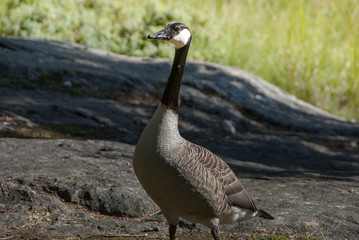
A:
176, 33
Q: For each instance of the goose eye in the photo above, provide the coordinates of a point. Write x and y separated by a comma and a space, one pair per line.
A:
177, 28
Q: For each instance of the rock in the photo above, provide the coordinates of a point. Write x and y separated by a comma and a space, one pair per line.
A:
67, 84
298, 162
95, 174
86, 178
229, 125
98, 174
98, 72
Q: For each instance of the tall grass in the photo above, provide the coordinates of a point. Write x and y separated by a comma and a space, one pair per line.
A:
309, 48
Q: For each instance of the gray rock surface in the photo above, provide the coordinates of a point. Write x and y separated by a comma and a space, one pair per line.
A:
298, 162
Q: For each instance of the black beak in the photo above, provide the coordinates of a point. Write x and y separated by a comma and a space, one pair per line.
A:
159, 35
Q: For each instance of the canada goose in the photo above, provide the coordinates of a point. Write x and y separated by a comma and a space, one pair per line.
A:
184, 179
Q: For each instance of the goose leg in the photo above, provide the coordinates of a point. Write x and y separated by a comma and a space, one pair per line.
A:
173, 229
172, 221
215, 233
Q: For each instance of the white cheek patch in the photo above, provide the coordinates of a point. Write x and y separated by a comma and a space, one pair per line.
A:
181, 39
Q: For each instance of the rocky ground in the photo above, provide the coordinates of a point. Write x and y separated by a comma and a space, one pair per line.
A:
70, 117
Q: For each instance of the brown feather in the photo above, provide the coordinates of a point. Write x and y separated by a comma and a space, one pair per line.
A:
234, 190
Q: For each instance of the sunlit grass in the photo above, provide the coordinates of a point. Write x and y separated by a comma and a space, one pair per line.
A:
309, 48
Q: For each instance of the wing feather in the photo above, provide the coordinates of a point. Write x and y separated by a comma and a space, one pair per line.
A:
234, 190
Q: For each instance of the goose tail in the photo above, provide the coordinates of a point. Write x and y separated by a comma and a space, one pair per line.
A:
264, 214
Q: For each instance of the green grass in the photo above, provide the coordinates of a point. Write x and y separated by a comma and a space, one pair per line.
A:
309, 48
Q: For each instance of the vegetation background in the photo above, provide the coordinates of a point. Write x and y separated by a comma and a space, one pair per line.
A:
310, 48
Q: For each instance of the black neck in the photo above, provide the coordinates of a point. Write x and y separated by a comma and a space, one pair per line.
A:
170, 96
